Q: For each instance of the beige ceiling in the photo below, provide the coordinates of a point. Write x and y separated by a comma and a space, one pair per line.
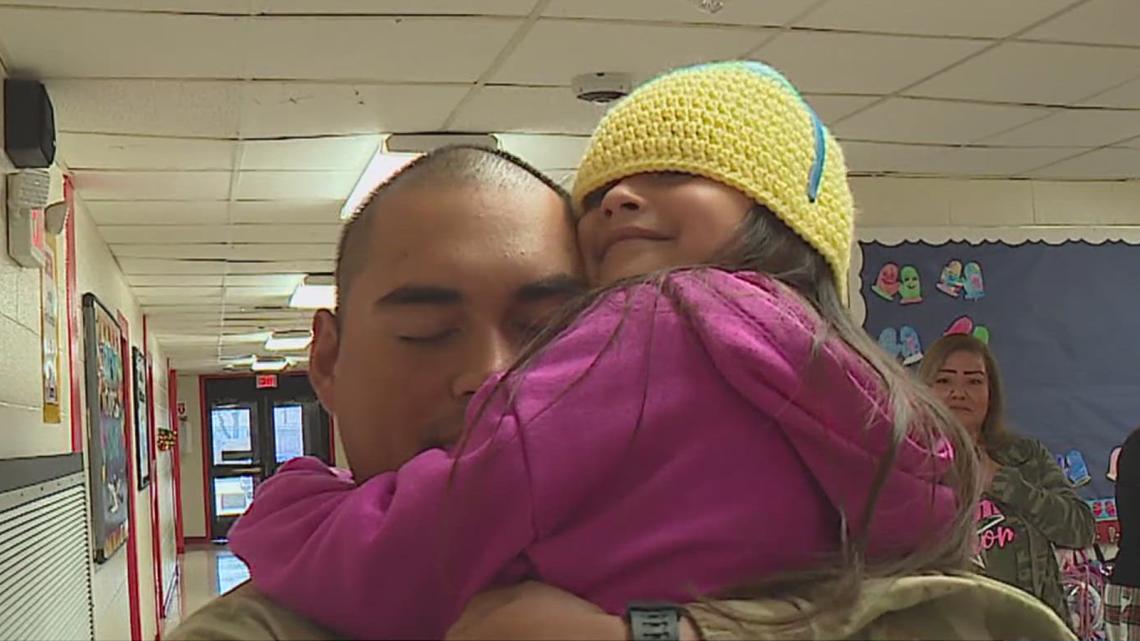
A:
214, 141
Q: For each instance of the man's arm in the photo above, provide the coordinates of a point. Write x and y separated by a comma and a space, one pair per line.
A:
1053, 506
246, 615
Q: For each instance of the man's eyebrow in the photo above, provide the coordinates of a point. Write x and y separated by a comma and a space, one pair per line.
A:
421, 295
558, 285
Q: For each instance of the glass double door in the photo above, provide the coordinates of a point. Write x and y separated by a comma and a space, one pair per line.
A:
251, 433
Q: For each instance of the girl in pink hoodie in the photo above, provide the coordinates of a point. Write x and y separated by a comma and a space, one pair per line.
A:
710, 418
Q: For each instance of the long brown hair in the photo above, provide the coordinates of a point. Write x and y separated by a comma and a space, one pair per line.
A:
766, 245
995, 434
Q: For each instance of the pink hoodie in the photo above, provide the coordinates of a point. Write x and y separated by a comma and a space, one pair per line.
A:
697, 452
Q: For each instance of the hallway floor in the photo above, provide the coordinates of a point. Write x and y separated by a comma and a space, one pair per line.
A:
206, 571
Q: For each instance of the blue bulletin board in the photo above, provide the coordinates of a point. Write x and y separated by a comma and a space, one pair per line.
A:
1062, 320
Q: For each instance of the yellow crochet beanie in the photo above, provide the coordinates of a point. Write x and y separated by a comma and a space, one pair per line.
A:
740, 123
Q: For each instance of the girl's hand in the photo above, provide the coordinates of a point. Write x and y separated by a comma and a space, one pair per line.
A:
538, 611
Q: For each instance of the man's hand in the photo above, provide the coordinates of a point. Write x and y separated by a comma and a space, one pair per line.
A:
538, 611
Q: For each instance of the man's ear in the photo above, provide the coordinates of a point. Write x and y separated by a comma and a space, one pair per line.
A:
322, 358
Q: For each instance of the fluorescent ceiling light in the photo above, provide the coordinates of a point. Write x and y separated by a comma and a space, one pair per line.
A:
240, 361
315, 292
289, 341
269, 364
382, 167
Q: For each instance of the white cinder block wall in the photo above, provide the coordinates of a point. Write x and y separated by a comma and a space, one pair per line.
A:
23, 431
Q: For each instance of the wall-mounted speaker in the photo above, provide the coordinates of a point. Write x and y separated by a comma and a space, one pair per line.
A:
29, 124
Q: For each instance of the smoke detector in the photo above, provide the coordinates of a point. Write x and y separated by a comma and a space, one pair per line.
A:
602, 87
709, 6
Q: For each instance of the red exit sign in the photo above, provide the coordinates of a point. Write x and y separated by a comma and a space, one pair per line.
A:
266, 381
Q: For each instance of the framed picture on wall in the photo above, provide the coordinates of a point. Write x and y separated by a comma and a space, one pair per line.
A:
142, 419
106, 428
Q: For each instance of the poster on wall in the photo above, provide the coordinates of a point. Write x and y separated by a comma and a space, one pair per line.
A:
106, 428
142, 419
49, 332
1060, 318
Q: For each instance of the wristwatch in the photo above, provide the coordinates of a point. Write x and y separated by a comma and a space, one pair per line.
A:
654, 621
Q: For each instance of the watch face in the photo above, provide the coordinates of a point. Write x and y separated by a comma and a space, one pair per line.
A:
653, 621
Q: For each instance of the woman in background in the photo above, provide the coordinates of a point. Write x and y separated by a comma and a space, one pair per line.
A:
1122, 598
1028, 505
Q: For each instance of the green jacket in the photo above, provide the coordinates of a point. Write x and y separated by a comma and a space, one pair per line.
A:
1028, 510
914, 607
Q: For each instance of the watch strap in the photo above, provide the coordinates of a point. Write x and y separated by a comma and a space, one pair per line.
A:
654, 621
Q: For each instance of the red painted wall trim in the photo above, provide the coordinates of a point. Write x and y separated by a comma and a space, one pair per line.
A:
176, 453
204, 425
74, 337
155, 517
128, 437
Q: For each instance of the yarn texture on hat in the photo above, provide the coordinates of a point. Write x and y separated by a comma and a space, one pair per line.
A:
744, 125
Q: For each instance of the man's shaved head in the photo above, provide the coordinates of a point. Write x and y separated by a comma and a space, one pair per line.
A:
444, 274
459, 166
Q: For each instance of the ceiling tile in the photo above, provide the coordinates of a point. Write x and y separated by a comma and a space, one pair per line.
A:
302, 266
1125, 96
286, 233
202, 280
867, 157
552, 110
152, 185
769, 12
977, 18
204, 250
340, 153
288, 281
1098, 21
1104, 164
375, 48
933, 121
122, 44
190, 237
151, 294
1035, 73
275, 109
150, 107
283, 251
136, 212
860, 63
1074, 128
258, 295
554, 51
187, 267
236, 7
165, 235
546, 152
99, 151
285, 185
286, 211
834, 108
397, 7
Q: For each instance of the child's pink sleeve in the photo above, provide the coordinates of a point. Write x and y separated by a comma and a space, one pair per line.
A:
400, 555
396, 557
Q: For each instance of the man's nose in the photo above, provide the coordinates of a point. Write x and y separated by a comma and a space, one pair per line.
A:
490, 356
